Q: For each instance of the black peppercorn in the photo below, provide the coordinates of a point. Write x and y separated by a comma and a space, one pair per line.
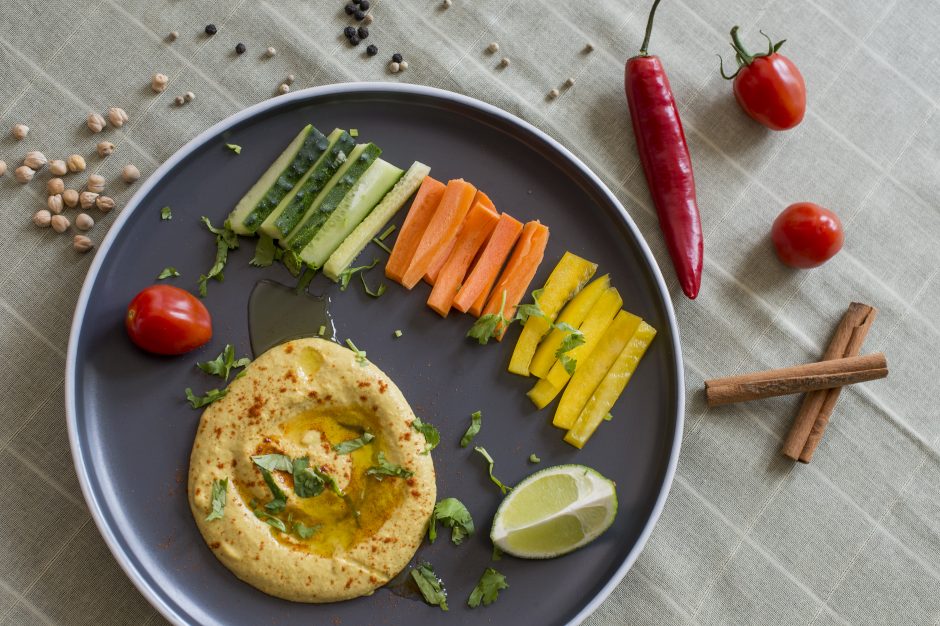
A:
372, 50
240, 48
397, 57
364, 5
360, 15
349, 31
354, 40
363, 32
350, 9
211, 29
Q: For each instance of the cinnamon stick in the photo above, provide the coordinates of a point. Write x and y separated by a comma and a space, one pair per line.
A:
832, 395
796, 379
857, 316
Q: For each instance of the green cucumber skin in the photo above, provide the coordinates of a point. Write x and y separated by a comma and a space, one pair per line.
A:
313, 147
310, 228
336, 229
294, 211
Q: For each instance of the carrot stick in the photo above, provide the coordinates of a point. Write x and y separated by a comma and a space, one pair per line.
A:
430, 277
518, 273
441, 229
480, 222
472, 295
419, 215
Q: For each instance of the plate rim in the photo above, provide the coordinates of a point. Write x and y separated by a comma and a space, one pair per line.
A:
133, 571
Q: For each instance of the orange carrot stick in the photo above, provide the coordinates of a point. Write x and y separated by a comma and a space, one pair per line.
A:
518, 273
419, 216
472, 295
430, 277
480, 222
441, 229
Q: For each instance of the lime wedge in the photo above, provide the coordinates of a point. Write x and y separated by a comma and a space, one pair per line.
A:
554, 511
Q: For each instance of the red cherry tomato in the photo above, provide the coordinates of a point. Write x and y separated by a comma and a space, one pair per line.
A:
167, 320
806, 235
769, 87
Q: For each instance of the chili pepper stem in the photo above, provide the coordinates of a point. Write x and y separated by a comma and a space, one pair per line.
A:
649, 30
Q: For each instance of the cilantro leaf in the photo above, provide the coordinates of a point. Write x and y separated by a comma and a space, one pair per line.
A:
384, 468
305, 532
197, 402
166, 213
430, 586
487, 589
225, 240
311, 481
265, 252
345, 447
486, 455
431, 434
219, 495
168, 272
223, 364
292, 262
487, 326
307, 274
234, 147
273, 462
270, 520
573, 339
534, 459
452, 513
608, 417
375, 294
360, 354
280, 498
476, 421
497, 554
525, 311
346, 275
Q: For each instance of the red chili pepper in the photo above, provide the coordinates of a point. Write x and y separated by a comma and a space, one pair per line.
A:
666, 162
768, 86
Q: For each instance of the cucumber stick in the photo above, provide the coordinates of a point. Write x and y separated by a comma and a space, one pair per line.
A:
355, 206
292, 207
362, 157
278, 180
368, 228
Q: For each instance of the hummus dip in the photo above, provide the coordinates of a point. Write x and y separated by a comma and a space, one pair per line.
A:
299, 400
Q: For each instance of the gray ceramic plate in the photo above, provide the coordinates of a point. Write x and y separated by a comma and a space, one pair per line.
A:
131, 429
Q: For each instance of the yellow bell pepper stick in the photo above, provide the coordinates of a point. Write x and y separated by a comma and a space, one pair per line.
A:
571, 273
589, 374
611, 387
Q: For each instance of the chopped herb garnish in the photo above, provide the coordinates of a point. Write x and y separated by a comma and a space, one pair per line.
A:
292, 262
375, 294
431, 434
168, 272
485, 327
346, 275
225, 240
476, 421
379, 243
388, 231
452, 513
234, 147
384, 468
350, 445
490, 463
305, 532
497, 554
279, 501
322, 331
309, 272
608, 417
431, 587
360, 354
223, 364
487, 589
525, 311
270, 520
219, 494
265, 252
573, 339
197, 402
166, 214
273, 462
534, 459
398, 334
353, 132
310, 481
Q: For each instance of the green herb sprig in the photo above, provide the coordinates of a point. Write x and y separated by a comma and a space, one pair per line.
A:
487, 589
452, 513
489, 460
476, 422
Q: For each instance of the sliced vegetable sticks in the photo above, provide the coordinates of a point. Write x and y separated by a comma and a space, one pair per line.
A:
480, 222
573, 315
430, 277
565, 280
611, 386
476, 287
518, 273
416, 222
589, 374
441, 229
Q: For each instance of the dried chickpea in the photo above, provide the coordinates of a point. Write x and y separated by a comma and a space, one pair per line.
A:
95, 122
70, 198
104, 148
87, 199
81, 243
54, 186
55, 203
84, 221
117, 116
60, 223
95, 183
283, 88
3, 167
24, 174
35, 160
42, 218
58, 167
104, 203
130, 173
20, 131
159, 82
75, 163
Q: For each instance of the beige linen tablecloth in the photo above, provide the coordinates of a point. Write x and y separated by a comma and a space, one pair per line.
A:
746, 536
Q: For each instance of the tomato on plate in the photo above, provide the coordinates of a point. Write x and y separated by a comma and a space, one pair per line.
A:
807, 235
167, 320
768, 86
